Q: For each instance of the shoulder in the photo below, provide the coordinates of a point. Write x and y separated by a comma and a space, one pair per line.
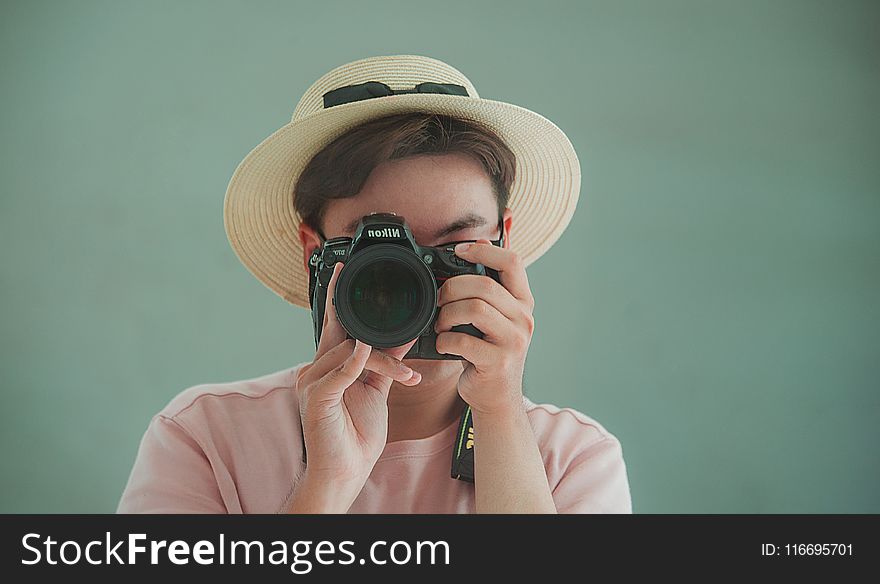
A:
554, 421
220, 401
208, 449
565, 433
583, 460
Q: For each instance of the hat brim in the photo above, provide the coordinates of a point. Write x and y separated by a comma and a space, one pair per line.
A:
262, 224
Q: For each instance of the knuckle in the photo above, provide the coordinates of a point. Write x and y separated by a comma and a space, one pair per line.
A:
530, 324
343, 370
480, 307
389, 359
399, 366
469, 306
331, 375
516, 260
443, 341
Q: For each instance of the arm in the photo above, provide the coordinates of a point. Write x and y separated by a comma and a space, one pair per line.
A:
508, 468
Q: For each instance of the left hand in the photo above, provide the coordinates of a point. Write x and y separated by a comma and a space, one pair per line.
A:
492, 378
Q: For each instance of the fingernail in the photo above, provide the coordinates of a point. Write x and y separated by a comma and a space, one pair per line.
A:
462, 247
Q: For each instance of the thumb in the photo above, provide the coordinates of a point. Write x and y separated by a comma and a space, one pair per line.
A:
339, 379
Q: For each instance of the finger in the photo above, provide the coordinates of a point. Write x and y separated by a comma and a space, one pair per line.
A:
331, 386
400, 351
323, 364
333, 356
382, 384
495, 327
385, 367
393, 356
505, 261
332, 332
474, 350
483, 288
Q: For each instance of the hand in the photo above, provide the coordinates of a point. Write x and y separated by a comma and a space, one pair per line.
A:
492, 378
343, 402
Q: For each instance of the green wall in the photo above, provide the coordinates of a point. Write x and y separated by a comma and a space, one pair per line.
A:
714, 302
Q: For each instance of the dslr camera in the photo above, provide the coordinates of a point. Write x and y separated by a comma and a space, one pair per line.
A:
386, 294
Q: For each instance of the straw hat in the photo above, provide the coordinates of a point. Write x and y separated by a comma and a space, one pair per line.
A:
258, 211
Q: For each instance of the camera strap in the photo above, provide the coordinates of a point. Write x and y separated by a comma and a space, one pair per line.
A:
463, 449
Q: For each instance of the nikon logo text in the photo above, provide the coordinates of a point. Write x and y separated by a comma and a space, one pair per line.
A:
384, 232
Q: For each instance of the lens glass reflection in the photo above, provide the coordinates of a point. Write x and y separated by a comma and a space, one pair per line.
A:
384, 295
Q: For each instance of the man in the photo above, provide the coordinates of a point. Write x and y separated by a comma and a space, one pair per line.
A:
360, 429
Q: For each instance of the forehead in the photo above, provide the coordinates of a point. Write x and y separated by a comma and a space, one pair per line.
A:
429, 192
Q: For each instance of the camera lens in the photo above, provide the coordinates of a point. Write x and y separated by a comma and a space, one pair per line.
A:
385, 295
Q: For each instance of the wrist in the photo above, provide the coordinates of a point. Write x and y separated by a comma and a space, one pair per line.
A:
506, 415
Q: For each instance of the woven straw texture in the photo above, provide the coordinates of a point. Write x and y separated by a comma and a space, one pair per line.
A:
258, 212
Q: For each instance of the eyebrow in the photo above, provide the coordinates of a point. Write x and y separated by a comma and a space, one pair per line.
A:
470, 220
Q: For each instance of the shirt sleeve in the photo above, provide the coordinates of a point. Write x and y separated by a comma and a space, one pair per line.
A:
595, 481
171, 474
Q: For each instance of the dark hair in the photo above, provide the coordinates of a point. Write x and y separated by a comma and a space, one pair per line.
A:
341, 168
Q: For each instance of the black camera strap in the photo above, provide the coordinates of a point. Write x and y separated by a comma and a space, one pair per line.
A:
463, 449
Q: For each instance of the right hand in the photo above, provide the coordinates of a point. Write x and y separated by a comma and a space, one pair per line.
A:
343, 405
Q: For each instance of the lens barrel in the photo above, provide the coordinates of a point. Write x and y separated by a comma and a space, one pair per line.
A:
385, 296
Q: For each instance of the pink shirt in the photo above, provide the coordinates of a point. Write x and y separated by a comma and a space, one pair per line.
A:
237, 448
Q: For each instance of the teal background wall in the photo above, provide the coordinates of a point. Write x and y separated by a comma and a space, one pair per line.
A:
714, 302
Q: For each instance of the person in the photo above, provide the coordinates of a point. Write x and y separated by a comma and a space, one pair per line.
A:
358, 429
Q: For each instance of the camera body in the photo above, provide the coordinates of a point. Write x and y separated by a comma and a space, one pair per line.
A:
386, 294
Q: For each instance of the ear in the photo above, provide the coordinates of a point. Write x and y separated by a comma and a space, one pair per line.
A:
507, 219
309, 239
